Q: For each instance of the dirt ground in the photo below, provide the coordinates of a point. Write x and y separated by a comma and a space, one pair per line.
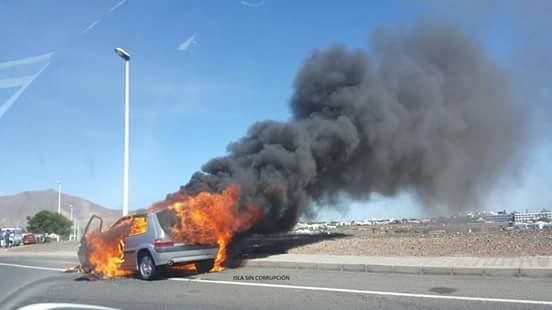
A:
390, 240
433, 240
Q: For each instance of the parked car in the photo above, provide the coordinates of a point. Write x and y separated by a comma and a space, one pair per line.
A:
17, 235
29, 239
149, 247
40, 238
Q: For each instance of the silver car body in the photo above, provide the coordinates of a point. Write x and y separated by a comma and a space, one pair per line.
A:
174, 253
177, 254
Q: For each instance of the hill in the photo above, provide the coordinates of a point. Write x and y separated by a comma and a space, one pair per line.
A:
15, 208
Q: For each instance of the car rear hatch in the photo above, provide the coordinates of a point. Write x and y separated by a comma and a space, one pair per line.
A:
164, 243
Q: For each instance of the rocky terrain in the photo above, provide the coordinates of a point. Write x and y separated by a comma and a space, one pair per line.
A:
443, 240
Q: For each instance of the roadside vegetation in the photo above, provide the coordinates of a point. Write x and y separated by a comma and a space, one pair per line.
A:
46, 222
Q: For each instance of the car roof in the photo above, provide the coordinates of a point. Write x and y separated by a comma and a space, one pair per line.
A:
139, 212
131, 216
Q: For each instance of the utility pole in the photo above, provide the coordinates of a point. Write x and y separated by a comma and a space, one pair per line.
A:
59, 197
71, 218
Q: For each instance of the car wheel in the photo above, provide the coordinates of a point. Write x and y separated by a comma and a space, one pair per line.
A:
205, 265
146, 267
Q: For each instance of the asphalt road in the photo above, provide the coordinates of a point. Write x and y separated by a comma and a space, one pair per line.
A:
25, 281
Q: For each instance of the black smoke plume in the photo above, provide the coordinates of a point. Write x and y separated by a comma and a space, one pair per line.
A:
425, 110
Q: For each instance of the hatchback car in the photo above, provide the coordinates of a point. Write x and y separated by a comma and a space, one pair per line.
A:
149, 246
29, 239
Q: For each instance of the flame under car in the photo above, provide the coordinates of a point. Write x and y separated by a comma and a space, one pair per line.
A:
143, 245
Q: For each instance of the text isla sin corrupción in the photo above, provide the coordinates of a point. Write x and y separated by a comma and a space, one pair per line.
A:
261, 277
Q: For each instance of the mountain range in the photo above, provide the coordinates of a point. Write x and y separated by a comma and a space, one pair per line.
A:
14, 209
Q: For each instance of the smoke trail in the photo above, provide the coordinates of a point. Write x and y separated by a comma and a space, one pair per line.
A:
99, 19
252, 4
424, 111
26, 61
21, 83
184, 46
26, 81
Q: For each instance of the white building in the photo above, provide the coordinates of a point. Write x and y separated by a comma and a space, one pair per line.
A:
532, 216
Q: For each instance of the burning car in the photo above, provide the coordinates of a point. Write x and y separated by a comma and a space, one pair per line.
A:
139, 244
184, 229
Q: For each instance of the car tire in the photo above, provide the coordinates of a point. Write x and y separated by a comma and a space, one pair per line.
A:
204, 266
147, 270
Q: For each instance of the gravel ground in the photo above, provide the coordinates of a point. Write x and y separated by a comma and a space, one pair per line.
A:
403, 240
434, 243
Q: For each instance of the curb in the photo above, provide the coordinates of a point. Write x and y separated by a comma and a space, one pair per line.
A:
373, 268
405, 269
45, 254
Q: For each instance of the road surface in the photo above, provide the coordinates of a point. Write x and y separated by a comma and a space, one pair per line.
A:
27, 280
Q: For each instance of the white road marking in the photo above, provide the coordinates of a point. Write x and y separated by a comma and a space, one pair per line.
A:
368, 292
32, 267
53, 306
330, 289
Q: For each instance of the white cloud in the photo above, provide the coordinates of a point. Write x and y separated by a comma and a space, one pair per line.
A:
252, 3
98, 20
21, 82
25, 81
15, 82
117, 5
91, 26
186, 44
26, 61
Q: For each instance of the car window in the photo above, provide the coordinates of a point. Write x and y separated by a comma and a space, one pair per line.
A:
139, 225
119, 221
167, 219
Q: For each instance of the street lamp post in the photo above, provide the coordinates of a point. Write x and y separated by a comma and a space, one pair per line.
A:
71, 218
59, 197
126, 56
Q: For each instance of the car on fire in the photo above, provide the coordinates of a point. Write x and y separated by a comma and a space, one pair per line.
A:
149, 247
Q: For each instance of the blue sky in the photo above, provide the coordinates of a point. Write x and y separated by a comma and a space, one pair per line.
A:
202, 72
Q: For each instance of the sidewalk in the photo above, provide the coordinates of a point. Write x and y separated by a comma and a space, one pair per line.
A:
534, 266
529, 266
61, 254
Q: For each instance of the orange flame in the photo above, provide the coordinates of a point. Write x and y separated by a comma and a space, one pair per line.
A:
139, 226
105, 251
209, 218
185, 268
205, 219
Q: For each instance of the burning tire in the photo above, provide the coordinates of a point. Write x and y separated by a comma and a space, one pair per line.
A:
205, 265
146, 267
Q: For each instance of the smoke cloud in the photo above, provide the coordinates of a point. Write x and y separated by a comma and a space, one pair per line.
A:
424, 110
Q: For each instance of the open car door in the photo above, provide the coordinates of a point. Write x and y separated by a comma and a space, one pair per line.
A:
95, 224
